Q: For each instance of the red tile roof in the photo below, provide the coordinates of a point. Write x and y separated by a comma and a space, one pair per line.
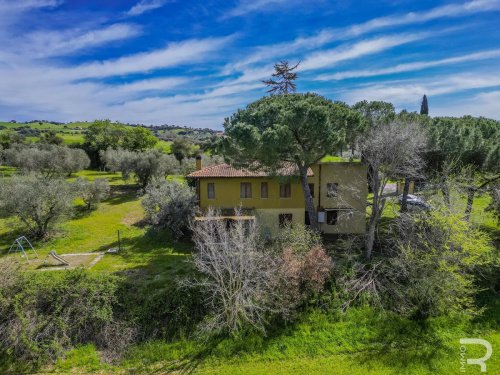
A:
225, 170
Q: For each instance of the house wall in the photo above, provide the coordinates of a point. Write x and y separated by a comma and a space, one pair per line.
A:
351, 199
227, 194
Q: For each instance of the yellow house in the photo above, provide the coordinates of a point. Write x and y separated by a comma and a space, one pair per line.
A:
339, 191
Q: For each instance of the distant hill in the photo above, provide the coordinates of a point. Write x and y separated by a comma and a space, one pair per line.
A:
73, 132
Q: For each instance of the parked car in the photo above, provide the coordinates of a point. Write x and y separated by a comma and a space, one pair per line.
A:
414, 202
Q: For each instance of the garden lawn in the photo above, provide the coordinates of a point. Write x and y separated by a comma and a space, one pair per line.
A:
97, 231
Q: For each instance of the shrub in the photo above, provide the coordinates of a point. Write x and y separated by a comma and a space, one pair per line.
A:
92, 192
247, 283
429, 269
169, 204
44, 315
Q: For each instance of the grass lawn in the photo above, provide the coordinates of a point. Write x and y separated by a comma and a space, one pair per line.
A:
97, 231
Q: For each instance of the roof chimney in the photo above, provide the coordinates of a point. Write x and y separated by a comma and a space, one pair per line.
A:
198, 162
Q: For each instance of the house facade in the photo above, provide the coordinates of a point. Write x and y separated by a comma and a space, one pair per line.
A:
339, 192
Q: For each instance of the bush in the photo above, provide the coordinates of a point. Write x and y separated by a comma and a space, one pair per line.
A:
37, 201
42, 315
247, 284
429, 269
92, 193
169, 204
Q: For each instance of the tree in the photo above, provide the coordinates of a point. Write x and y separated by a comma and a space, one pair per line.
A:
181, 149
50, 137
297, 128
390, 151
424, 107
169, 204
50, 160
102, 135
375, 112
10, 137
37, 201
494, 206
285, 75
468, 147
92, 192
430, 270
138, 138
144, 165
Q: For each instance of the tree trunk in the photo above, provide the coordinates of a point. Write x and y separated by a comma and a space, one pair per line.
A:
446, 194
313, 217
471, 191
406, 189
370, 238
373, 178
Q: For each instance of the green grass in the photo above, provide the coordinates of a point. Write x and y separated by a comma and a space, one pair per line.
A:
359, 342
332, 159
98, 231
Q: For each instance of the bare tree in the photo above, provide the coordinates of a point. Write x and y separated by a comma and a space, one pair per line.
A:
285, 77
237, 274
390, 151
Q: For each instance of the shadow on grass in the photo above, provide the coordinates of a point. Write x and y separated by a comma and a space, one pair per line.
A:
122, 194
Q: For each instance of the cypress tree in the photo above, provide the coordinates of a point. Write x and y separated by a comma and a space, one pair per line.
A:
424, 107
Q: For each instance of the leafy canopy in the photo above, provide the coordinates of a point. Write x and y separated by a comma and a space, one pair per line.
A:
299, 128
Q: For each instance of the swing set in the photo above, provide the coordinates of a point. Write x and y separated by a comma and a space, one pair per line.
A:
20, 245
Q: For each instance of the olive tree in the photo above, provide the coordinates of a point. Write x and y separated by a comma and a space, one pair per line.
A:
50, 160
144, 165
37, 201
169, 204
296, 128
92, 192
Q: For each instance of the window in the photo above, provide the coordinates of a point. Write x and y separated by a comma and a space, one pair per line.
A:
285, 219
311, 187
331, 217
285, 191
332, 190
211, 190
245, 190
264, 192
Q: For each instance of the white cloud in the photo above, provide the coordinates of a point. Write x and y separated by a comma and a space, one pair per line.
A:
328, 58
410, 91
409, 67
56, 43
483, 104
174, 54
329, 35
144, 6
23, 5
445, 11
245, 7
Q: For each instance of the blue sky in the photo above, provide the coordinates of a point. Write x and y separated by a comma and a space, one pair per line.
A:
195, 62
